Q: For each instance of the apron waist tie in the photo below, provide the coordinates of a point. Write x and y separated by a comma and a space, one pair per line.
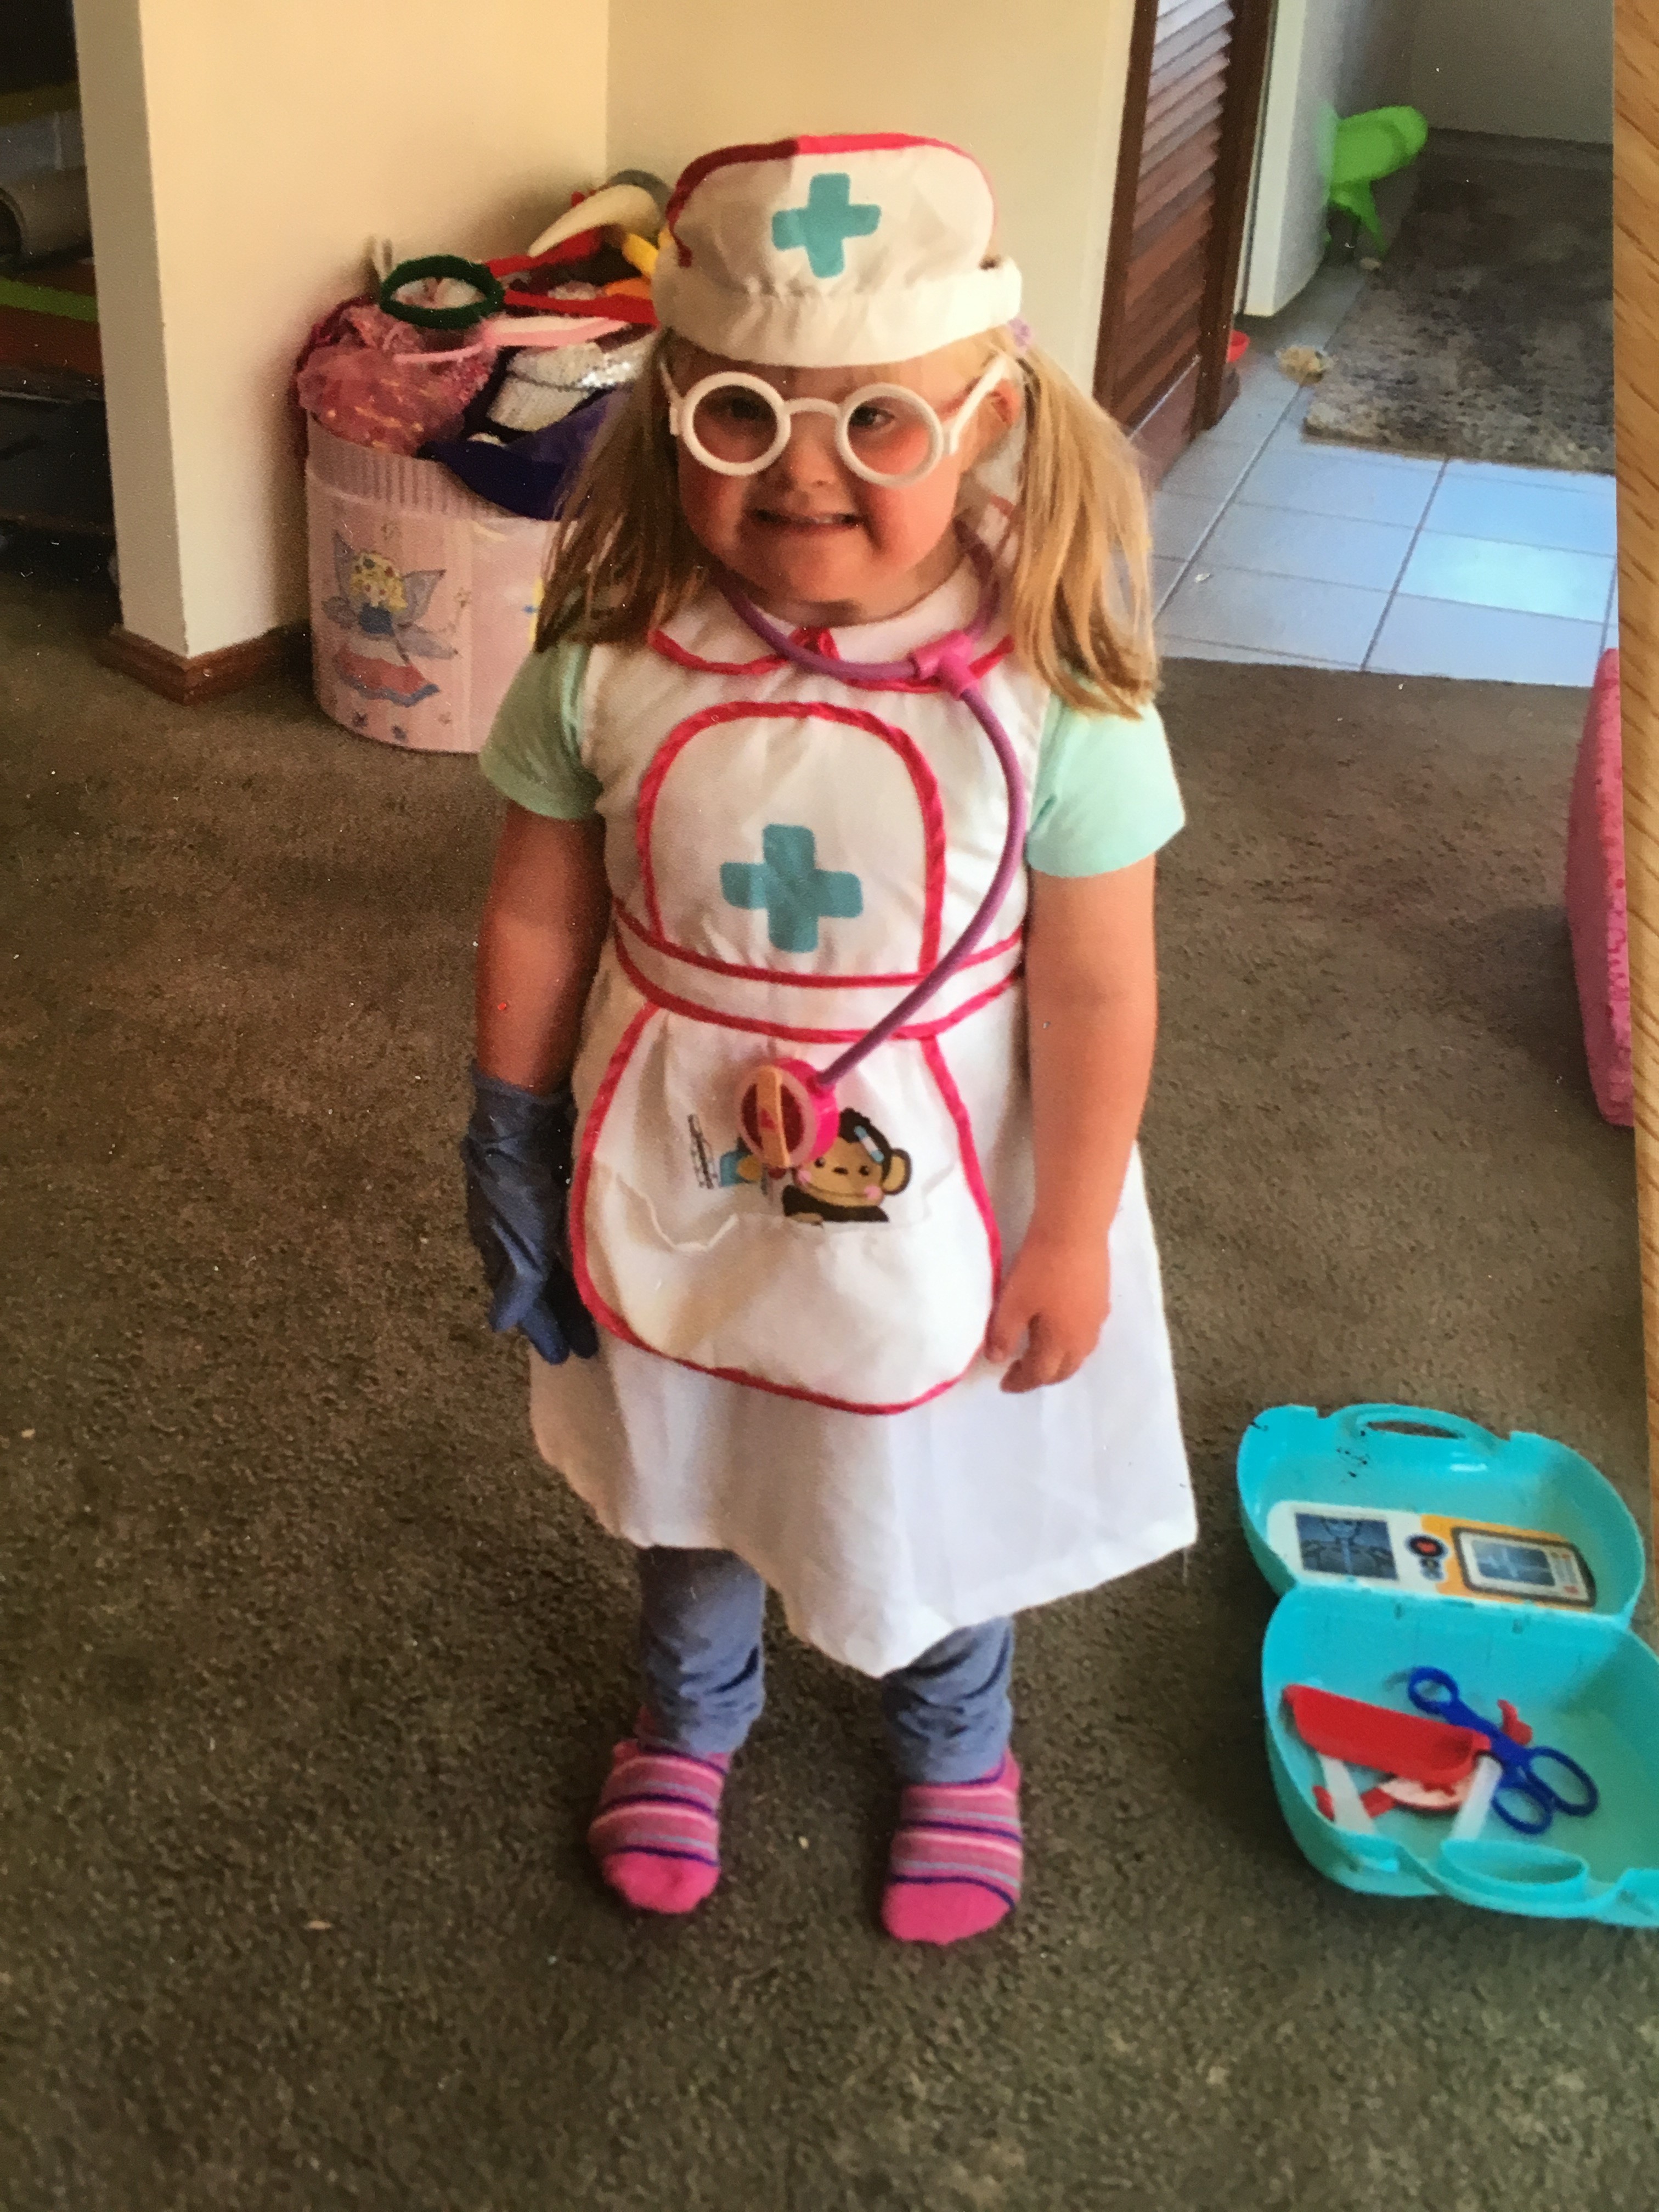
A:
811, 1010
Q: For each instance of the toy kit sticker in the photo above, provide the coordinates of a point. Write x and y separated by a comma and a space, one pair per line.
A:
1430, 1554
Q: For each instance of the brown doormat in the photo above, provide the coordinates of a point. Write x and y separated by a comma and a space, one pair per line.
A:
1487, 333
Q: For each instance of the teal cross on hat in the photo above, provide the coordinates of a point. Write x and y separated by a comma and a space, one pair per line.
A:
829, 219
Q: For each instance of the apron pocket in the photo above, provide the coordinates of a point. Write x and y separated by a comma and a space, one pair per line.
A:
864, 1280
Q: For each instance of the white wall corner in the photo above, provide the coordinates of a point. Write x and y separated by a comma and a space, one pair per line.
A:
115, 116
240, 159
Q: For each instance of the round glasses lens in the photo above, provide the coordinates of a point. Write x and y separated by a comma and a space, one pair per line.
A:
891, 435
735, 424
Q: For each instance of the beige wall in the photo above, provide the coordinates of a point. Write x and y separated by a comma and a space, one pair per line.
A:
240, 154
1035, 92
1378, 39
1528, 69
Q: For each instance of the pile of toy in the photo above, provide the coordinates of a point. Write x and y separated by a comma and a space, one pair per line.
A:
502, 370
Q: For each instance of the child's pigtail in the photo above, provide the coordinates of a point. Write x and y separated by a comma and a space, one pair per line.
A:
623, 560
1080, 593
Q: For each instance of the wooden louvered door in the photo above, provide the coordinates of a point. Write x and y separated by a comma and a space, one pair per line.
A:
1183, 180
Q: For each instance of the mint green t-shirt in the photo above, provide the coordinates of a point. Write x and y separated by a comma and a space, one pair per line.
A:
1105, 795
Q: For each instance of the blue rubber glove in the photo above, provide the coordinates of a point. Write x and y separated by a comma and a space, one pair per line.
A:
517, 1154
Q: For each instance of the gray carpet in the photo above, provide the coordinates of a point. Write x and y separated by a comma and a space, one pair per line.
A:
307, 1669
1487, 333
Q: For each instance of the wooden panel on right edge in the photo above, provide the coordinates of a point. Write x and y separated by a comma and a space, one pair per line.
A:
1194, 87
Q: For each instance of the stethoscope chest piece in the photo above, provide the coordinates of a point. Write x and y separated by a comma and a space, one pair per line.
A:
785, 1114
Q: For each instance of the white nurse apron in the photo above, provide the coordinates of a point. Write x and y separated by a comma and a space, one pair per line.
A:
790, 1368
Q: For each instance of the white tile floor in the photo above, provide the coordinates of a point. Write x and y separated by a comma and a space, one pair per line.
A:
1270, 547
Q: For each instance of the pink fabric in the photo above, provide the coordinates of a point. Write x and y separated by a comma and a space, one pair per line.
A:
970, 1150
657, 1832
956, 1859
671, 1002
382, 383
1595, 898
900, 980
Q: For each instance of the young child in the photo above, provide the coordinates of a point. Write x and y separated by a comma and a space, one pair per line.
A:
880, 1323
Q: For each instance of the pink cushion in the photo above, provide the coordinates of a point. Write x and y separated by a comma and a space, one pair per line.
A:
1596, 897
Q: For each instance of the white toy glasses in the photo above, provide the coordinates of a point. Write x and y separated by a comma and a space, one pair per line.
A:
738, 425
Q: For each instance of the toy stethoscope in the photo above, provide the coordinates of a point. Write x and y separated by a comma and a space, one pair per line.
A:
787, 1109
1431, 1690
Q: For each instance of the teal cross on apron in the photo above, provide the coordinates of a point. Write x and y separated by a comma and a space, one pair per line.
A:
796, 893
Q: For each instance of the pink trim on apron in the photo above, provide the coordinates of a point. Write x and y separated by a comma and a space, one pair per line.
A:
921, 776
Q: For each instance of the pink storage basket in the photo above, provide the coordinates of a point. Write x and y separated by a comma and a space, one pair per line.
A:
423, 598
1595, 898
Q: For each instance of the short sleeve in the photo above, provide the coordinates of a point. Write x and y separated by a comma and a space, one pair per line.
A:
533, 752
1106, 794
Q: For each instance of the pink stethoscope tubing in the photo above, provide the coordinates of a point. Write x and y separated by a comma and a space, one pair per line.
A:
766, 1092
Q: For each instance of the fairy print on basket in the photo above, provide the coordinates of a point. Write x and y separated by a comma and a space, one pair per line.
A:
381, 609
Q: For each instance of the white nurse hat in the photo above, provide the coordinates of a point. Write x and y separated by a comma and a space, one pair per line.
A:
823, 253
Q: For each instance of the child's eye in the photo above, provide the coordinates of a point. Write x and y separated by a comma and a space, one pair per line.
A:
737, 407
871, 420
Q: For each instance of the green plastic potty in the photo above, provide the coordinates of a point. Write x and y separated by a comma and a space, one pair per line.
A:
1368, 147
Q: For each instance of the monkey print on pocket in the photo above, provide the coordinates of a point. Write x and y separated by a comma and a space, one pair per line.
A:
848, 1181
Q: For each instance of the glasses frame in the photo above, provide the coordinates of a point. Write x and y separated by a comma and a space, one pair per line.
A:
942, 438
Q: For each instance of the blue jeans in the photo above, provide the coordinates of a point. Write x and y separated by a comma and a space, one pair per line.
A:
947, 1713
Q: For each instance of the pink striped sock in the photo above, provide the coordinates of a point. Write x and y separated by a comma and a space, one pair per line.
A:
657, 1832
955, 1866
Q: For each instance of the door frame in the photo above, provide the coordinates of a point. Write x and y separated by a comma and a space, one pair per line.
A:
1636, 382
1636, 385
1208, 388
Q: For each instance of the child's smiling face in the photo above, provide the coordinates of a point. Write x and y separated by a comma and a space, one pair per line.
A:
813, 542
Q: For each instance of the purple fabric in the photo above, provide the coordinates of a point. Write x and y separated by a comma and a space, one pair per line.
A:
530, 476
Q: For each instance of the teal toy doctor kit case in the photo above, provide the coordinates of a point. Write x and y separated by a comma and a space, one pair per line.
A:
1416, 1551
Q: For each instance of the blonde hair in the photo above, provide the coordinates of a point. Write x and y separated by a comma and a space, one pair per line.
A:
1074, 567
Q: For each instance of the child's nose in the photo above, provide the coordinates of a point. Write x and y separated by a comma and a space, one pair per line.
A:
809, 460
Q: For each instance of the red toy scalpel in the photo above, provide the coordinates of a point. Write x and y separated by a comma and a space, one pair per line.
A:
1437, 1754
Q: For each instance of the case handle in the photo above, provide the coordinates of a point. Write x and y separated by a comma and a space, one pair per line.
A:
1460, 1445
1507, 1874
1639, 1893
1374, 1853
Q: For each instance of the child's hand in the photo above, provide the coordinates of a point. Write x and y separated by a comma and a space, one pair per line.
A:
1053, 1306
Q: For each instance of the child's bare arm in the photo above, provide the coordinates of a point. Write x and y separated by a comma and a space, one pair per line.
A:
539, 943
1091, 989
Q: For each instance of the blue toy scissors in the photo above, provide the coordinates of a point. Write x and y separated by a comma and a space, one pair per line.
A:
1433, 1691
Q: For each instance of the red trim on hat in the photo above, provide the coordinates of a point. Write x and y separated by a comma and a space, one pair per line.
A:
780, 149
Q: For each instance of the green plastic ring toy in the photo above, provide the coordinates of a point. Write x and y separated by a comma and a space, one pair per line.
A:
442, 318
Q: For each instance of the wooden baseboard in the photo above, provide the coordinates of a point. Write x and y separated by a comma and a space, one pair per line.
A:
187, 679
